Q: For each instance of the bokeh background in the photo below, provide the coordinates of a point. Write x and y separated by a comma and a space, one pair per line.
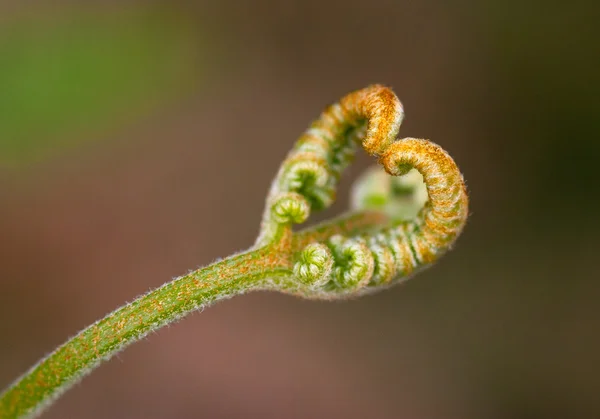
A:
138, 140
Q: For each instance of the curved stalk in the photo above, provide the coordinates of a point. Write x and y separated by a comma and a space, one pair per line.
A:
100, 341
365, 251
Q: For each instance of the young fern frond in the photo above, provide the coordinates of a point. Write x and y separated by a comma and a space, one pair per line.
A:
370, 248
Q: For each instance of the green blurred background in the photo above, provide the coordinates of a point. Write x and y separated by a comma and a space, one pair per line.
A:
132, 134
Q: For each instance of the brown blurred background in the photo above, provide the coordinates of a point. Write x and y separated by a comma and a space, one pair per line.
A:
138, 140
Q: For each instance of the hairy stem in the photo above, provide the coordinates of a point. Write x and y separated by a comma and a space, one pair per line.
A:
251, 270
364, 251
128, 324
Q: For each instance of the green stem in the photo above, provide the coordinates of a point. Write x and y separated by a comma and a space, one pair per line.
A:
128, 324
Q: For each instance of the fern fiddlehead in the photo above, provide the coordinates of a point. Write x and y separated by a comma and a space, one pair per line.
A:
398, 224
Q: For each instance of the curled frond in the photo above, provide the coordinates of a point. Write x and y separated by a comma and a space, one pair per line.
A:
354, 263
400, 224
313, 268
308, 175
382, 110
290, 208
370, 116
424, 199
443, 217
385, 266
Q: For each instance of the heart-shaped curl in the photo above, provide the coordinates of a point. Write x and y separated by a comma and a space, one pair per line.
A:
397, 224
425, 183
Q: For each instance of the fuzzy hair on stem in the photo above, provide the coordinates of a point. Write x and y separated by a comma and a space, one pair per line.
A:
403, 218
